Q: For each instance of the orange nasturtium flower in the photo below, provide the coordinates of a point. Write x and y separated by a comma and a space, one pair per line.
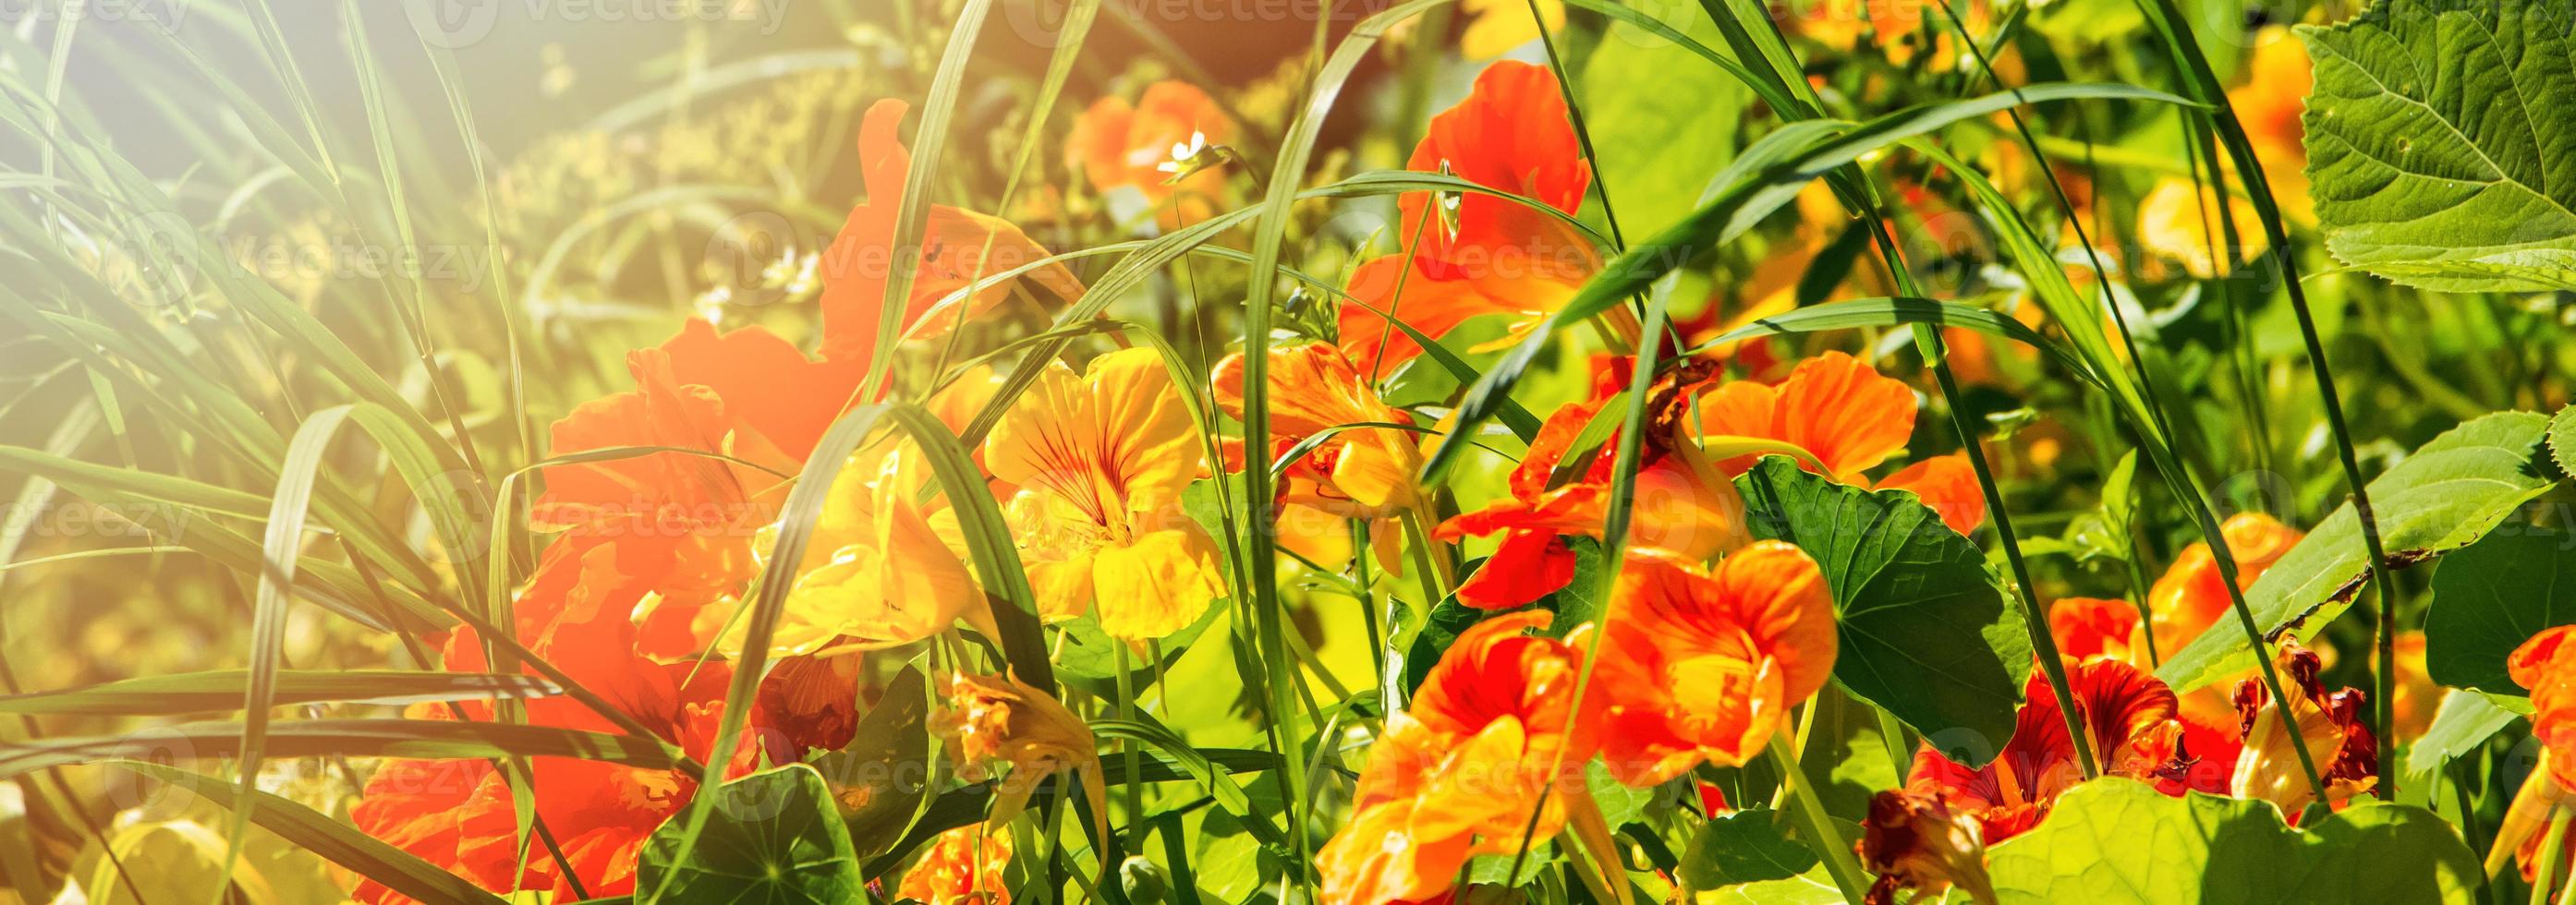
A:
1682, 503
1141, 155
1471, 254
1703, 664
1363, 473
2347, 755
964, 867
2192, 596
2087, 628
952, 253
2416, 696
2544, 665
1851, 419
999, 720
683, 523
1458, 773
2269, 104
1101, 460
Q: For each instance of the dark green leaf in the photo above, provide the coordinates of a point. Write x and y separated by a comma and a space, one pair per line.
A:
771, 838
2491, 596
887, 768
1925, 634
1747, 846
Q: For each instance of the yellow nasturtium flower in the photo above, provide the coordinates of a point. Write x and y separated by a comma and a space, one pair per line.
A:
878, 572
1496, 27
1101, 459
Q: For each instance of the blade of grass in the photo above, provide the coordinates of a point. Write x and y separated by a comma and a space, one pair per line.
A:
912, 218
345, 737
330, 839
1269, 232
2202, 83
200, 692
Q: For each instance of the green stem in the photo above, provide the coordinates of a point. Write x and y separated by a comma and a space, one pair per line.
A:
2249, 168
2553, 851
1818, 828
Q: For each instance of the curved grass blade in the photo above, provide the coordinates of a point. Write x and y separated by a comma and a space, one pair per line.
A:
1268, 233
330, 839
2203, 84
339, 737
912, 217
1889, 312
201, 692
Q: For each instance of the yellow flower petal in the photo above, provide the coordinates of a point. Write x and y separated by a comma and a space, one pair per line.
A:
1157, 585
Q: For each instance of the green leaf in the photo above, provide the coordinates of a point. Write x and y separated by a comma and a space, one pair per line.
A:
1659, 147
2490, 597
2449, 493
887, 768
1805, 889
218, 691
1924, 633
1748, 846
774, 838
2441, 140
2465, 720
2116, 840
2562, 440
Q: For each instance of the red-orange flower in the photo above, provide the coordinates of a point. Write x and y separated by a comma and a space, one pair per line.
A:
682, 522
2087, 628
1477, 254
459, 814
1458, 774
1850, 419
1141, 155
1918, 841
1947, 484
811, 701
2129, 722
952, 254
1682, 504
1703, 665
